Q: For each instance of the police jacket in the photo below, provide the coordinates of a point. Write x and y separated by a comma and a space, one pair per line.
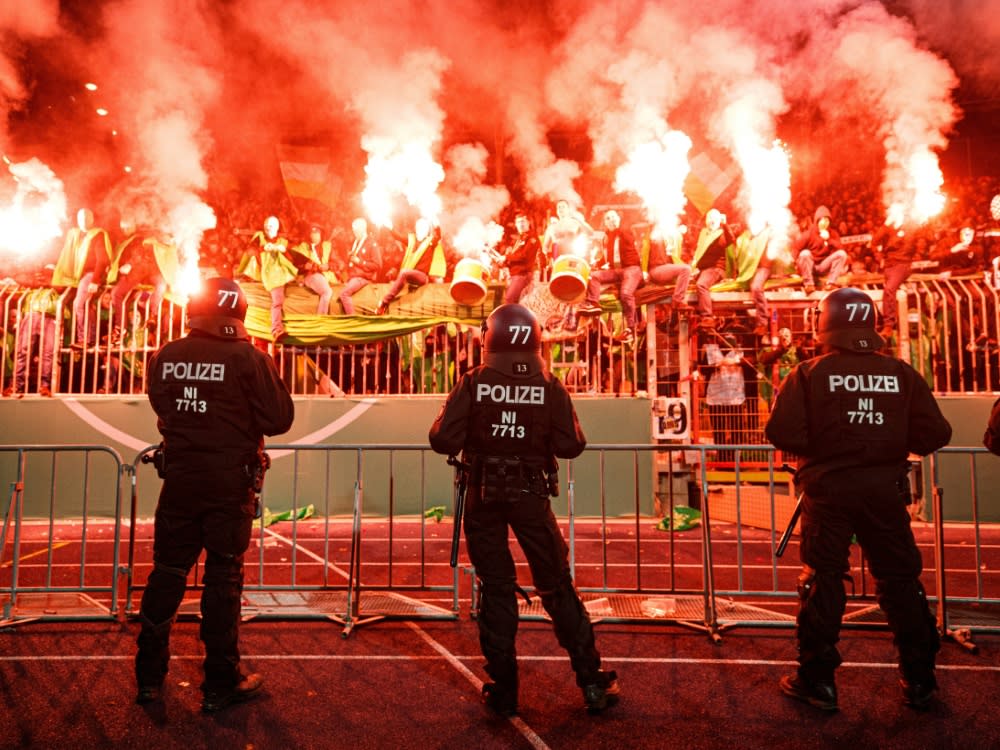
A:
489, 413
214, 400
855, 411
991, 438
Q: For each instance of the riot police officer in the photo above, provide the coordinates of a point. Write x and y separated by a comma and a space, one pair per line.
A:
511, 419
853, 416
215, 396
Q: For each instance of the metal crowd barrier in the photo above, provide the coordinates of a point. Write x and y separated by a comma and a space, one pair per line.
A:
51, 570
660, 559
729, 575
358, 546
966, 602
948, 329
630, 579
110, 357
655, 534
112, 354
431, 361
951, 329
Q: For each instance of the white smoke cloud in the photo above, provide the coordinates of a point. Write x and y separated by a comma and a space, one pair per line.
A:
161, 64
909, 87
871, 79
475, 237
735, 70
464, 193
545, 176
403, 123
403, 77
967, 33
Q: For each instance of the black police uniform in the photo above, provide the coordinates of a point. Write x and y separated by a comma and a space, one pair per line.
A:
511, 429
991, 438
854, 418
215, 398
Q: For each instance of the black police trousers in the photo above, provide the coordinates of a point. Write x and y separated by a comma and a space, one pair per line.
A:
872, 507
185, 524
534, 526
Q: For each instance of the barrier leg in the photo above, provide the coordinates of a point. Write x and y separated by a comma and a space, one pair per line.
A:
13, 510
962, 636
711, 615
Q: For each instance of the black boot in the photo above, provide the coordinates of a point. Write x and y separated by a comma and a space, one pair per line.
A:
821, 694
247, 688
152, 658
602, 692
918, 692
499, 699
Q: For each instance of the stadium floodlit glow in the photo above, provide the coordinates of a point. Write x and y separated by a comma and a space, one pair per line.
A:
102, 111
90, 86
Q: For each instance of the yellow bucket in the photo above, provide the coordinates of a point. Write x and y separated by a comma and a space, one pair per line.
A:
468, 286
570, 274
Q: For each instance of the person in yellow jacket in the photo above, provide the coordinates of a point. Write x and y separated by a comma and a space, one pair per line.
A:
710, 260
664, 265
83, 263
364, 264
423, 260
312, 259
141, 259
36, 334
269, 261
756, 259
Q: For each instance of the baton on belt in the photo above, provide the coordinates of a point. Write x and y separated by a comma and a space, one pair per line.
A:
461, 485
791, 522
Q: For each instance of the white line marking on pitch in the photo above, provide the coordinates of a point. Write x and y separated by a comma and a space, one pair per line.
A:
339, 571
527, 732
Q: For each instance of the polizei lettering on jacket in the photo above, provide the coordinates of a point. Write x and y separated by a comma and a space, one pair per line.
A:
511, 394
864, 383
188, 371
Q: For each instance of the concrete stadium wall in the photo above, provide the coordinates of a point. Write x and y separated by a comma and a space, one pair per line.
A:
127, 426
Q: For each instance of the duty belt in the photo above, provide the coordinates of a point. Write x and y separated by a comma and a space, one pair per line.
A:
509, 478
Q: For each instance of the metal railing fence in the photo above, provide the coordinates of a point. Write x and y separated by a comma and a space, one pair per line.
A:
948, 329
356, 545
968, 596
69, 571
654, 533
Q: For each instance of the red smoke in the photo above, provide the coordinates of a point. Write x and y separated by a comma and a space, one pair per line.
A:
198, 89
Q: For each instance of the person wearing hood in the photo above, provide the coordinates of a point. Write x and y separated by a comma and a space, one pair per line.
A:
819, 251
